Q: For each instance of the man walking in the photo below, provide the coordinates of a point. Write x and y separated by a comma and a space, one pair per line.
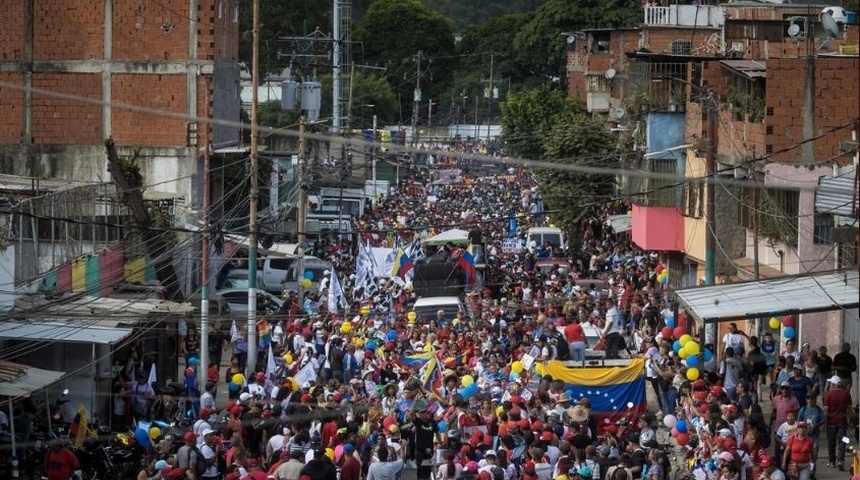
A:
837, 401
844, 365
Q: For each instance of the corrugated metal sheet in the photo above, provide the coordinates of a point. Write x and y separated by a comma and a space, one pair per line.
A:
17, 380
750, 68
816, 292
60, 331
837, 195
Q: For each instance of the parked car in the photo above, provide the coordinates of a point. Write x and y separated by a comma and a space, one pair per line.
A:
237, 301
427, 307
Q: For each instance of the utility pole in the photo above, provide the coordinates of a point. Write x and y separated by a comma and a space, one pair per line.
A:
204, 259
302, 212
416, 96
373, 161
710, 210
335, 56
252, 200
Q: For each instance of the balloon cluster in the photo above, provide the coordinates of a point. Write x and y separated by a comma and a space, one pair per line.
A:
687, 349
469, 387
787, 324
237, 381
679, 429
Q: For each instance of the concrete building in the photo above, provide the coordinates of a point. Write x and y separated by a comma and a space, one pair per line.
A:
771, 96
68, 66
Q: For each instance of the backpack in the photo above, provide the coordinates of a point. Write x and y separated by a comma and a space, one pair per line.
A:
200, 463
562, 348
498, 473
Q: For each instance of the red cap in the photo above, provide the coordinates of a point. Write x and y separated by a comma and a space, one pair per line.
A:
524, 424
700, 395
488, 440
717, 390
267, 413
766, 461
503, 430
536, 426
703, 408
190, 436
730, 444
547, 436
306, 398
516, 399
699, 384
485, 475
236, 411
337, 397
261, 377
731, 408
205, 412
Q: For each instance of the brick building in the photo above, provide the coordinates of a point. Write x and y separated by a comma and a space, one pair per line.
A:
168, 56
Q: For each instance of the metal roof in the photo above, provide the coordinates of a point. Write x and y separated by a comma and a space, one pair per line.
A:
837, 195
17, 380
59, 331
749, 68
806, 293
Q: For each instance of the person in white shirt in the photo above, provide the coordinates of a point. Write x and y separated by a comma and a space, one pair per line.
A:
612, 330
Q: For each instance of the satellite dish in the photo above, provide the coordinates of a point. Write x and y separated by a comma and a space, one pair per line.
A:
830, 25
571, 40
618, 113
794, 30
609, 74
840, 16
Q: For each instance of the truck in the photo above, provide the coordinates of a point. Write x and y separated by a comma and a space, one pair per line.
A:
333, 208
278, 275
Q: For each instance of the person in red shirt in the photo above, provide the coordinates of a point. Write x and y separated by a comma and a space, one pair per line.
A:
60, 462
575, 336
837, 401
351, 468
797, 459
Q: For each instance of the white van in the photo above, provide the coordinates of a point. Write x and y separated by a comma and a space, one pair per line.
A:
538, 235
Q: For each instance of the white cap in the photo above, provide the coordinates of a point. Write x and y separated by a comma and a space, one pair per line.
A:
835, 380
725, 432
208, 431
490, 453
244, 397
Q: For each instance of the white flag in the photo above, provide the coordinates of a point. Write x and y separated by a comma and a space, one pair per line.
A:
336, 297
153, 378
270, 370
234, 332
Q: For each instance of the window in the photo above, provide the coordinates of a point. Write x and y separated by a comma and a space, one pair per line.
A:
821, 230
777, 213
597, 83
600, 43
659, 192
694, 196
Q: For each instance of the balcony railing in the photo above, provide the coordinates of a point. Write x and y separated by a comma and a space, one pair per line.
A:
685, 16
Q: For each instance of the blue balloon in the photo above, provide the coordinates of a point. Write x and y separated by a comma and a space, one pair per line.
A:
232, 387
681, 426
309, 274
392, 335
443, 426
515, 375
469, 391
142, 438
677, 346
670, 322
711, 465
788, 332
708, 355
692, 361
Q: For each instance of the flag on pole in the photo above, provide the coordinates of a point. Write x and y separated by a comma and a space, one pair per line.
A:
336, 297
79, 427
153, 378
234, 332
270, 370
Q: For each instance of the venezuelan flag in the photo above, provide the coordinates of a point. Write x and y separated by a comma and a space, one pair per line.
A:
402, 264
418, 360
613, 391
467, 263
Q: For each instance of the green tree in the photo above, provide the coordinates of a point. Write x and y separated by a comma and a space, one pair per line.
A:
493, 36
371, 94
392, 32
542, 123
527, 117
539, 44
575, 138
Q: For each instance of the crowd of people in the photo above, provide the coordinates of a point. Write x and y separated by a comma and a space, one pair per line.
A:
347, 395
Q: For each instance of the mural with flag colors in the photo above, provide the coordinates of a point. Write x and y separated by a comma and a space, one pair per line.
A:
614, 392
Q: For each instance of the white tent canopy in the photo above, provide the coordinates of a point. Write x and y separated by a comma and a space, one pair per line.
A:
806, 293
455, 236
620, 223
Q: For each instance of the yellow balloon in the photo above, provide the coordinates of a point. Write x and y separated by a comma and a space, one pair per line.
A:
154, 433
364, 310
692, 348
773, 323
238, 379
293, 383
466, 380
692, 374
411, 316
306, 283
684, 339
683, 353
288, 359
346, 327
517, 366
329, 452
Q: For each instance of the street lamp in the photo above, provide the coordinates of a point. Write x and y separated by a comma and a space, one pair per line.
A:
463, 97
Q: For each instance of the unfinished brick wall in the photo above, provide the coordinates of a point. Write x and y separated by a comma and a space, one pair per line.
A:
159, 92
67, 29
12, 31
67, 122
11, 122
836, 103
139, 30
